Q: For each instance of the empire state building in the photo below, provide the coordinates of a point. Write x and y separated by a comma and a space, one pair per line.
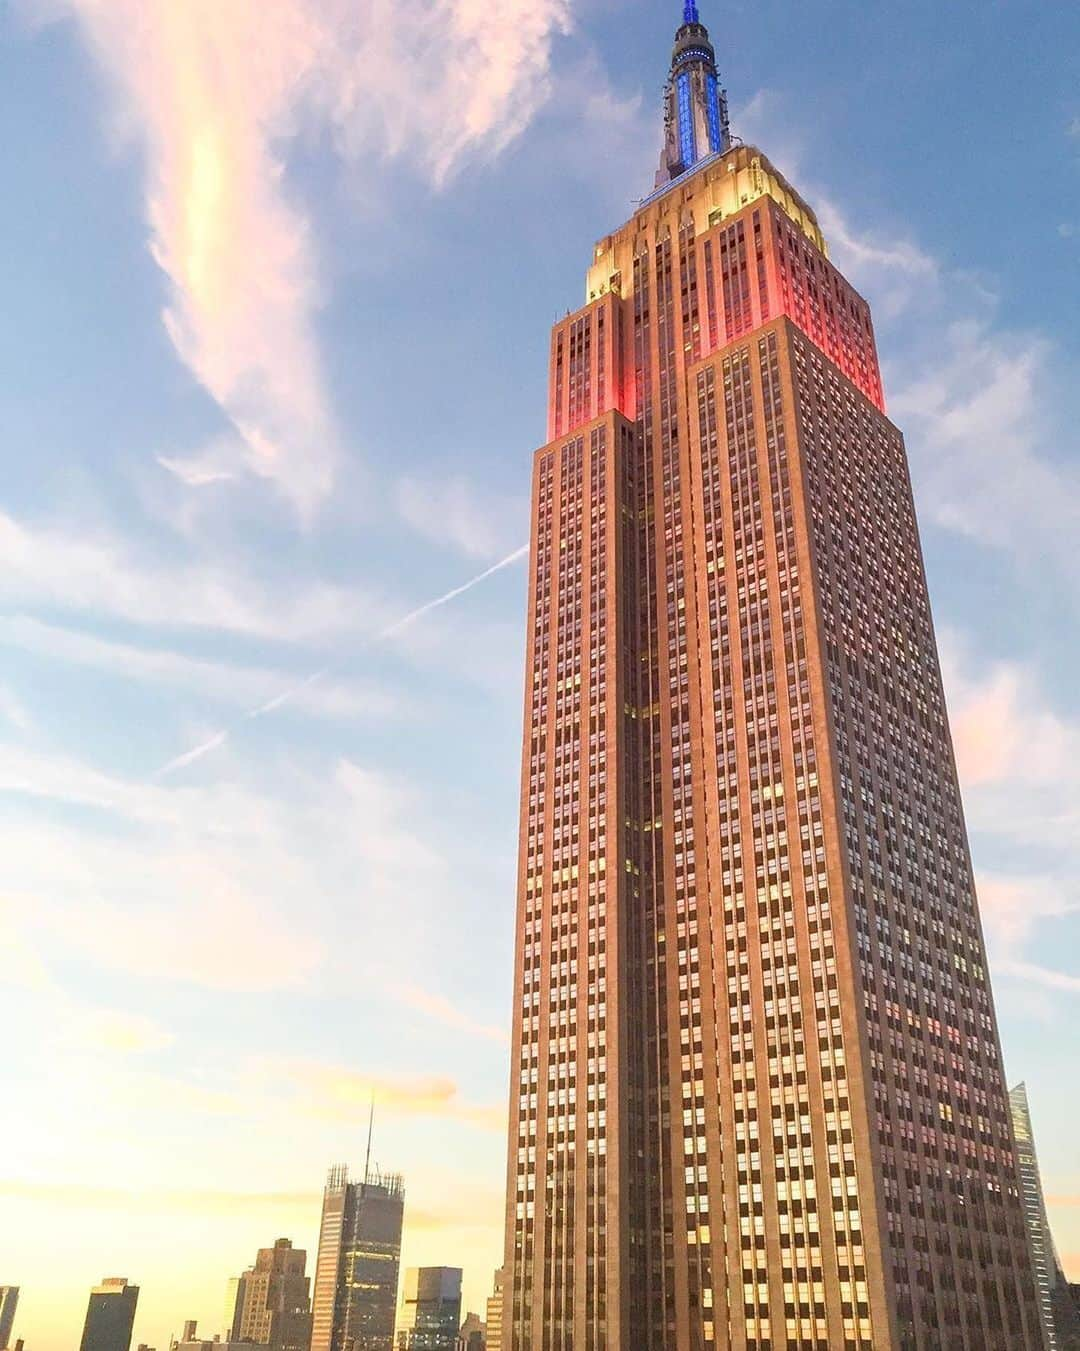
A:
757, 1091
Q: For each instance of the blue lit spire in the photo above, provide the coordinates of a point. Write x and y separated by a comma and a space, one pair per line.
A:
695, 106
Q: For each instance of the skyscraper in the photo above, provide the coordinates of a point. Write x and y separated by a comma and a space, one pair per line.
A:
430, 1316
494, 1322
110, 1315
9, 1302
758, 1093
1060, 1321
356, 1273
273, 1305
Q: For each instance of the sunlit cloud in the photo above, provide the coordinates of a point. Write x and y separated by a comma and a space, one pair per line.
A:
449, 1015
336, 1092
88, 570
118, 1032
215, 95
224, 683
218, 938
1019, 764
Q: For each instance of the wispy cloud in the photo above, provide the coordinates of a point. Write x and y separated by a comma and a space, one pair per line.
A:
1042, 975
13, 711
985, 406
339, 1093
211, 90
450, 511
212, 743
216, 95
1019, 763
398, 626
859, 253
229, 684
978, 411
60, 1018
200, 884
86, 569
449, 1015
219, 939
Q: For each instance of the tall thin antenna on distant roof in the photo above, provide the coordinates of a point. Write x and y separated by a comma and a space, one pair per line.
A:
370, 1131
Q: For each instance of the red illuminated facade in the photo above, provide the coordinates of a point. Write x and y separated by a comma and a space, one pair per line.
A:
758, 1099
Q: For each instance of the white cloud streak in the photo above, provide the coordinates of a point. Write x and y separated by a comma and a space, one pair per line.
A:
400, 625
230, 684
212, 743
84, 569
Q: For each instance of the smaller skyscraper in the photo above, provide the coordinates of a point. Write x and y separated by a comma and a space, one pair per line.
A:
356, 1272
9, 1302
430, 1309
1060, 1322
232, 1294
110, 1315
494, 1335
272, 1306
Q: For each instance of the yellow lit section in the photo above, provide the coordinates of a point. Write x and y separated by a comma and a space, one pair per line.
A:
718, 189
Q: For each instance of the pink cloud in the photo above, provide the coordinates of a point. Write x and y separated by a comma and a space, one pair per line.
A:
215, 94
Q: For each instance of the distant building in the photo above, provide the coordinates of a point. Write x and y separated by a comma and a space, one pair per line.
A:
356, 1272
191, 1341
1061, 1323
472, 1334
9, 1302
495, 1314
232, 1293
272, 1304
110, 1316
430, 1309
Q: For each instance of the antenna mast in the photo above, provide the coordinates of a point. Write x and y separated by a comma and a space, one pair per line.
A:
370, 1130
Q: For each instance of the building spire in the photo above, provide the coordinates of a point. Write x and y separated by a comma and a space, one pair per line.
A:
695, 106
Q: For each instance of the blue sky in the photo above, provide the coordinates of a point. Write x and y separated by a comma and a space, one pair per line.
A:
278, 280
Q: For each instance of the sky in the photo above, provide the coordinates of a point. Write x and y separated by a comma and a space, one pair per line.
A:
278, 277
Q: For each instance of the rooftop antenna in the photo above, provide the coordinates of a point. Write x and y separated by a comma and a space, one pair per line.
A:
370, 1130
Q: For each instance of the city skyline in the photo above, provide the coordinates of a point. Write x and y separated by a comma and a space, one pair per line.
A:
275, 355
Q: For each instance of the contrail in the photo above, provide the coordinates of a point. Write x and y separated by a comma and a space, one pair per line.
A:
189, 757
414, 615
285, 696
391, 631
